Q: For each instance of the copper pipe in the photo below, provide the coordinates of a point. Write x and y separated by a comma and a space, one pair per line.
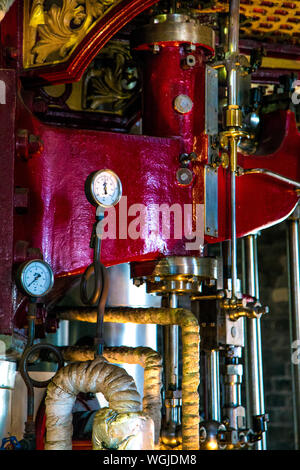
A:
190, 353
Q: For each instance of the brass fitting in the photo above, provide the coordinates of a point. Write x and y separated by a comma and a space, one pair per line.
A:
238, 309
233, 116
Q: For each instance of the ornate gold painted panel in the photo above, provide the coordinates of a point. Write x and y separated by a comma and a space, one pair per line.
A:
110, 84
53, 28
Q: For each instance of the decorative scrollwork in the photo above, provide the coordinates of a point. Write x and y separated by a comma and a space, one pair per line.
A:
111, 80
55, 27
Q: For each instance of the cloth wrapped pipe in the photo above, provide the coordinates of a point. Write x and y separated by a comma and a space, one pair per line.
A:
4, 7
118, 388
122, 431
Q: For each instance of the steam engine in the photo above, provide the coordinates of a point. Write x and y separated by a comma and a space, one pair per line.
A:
143, 144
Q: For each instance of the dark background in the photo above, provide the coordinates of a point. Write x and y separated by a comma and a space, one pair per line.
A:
276, 344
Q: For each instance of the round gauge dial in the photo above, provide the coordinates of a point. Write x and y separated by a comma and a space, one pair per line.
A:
35, 278
103, 188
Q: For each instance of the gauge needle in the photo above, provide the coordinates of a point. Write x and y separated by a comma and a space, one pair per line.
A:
105, 188
35, 279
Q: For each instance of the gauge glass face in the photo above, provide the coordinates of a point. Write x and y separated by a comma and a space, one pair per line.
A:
37, 278
106, 188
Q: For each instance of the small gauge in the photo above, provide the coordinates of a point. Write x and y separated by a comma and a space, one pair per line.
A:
103, 188
35, 278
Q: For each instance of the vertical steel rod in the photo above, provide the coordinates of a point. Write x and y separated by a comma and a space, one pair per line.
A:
171, 360
233, 48
214, 385
254, 368
233, 157
173, 348
261, 375
294, 291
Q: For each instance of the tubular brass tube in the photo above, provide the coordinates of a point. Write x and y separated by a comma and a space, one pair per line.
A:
149, 359
95, 376
190, 353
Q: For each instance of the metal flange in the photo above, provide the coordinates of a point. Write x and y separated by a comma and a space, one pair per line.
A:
180, 274
174, 28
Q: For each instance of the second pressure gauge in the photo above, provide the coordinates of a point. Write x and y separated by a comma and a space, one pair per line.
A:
35, 278
103, 188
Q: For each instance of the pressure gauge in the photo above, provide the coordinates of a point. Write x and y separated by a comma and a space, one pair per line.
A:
35, 278
103, 188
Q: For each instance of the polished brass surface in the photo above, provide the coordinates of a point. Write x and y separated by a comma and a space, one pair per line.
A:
233, 116
174, 28
240, 308
53, 29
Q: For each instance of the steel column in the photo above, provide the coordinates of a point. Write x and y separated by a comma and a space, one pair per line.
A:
294, 291
214, 385
254, 368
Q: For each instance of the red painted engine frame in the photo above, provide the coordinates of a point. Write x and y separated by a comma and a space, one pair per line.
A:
58, 219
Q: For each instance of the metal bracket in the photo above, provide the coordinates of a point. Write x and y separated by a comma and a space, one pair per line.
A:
211, 101
211, 201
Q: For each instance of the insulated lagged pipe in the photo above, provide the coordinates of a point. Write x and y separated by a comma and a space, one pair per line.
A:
149, 359
190, 353
95, 376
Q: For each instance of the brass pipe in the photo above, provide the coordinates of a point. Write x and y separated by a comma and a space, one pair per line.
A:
149, 359
190, 353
